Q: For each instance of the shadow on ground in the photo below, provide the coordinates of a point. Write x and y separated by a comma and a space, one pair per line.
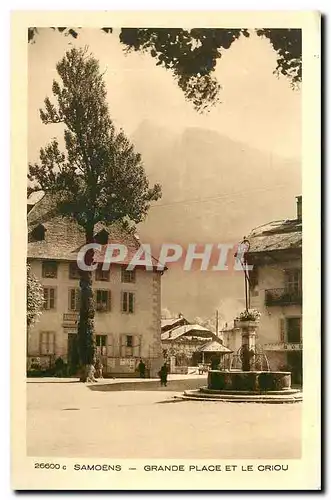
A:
151, 385
46, 381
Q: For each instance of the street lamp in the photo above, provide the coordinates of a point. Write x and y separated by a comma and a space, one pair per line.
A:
241, 255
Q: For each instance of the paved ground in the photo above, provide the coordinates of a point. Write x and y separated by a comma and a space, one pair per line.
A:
138, 419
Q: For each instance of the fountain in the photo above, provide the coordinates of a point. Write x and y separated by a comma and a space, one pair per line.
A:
254, 382
249, 378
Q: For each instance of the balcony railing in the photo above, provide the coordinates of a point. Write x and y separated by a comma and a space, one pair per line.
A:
283, 297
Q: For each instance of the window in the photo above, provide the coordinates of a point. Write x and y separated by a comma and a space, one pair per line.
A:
293, 280
128, 276
49, 298
253, 277
101, 275
128, 302
103, 300
38, 233
293, 330
47, 343
49, 269
130, 346
74, 271
101, 345
74, 299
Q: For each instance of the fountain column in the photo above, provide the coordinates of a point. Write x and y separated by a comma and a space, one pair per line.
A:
248, 338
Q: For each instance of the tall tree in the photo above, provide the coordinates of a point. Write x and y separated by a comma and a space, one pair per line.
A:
98, 178
34, 298
191, 55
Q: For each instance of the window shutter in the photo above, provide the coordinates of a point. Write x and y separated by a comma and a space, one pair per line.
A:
45, 298
109, 300
131, 302
124, 301
52, 298
110, 347
73, 302
282, 329
137, 346
51, 342
42, 342
123, 345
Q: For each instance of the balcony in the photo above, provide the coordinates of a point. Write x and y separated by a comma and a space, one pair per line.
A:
70, 319
283, 297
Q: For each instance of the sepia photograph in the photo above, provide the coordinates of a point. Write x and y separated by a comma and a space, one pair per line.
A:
164, 316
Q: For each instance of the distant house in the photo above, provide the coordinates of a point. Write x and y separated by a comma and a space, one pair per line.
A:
215, 349
168, 324
231, 335
128, 303
184, 341
276, 290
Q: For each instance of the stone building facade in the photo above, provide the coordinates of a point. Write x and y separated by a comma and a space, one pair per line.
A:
128, 303
275, 252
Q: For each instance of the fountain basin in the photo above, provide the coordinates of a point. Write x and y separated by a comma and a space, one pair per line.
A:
246, 387
261, 381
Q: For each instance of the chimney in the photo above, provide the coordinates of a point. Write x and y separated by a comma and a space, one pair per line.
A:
299, 207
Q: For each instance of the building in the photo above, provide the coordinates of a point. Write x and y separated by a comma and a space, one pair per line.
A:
275, 251
183, 343
214, 351
231, 335
128, 303
170, 323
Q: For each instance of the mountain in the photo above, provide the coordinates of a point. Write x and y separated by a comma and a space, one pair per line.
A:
215, 190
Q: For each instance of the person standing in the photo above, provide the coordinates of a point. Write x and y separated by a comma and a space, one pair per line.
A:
163, 373
142, 369
98, 368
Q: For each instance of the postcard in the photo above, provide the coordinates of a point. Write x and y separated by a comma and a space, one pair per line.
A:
166, 250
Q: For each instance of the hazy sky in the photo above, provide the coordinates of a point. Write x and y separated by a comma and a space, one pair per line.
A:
259, 112
257, 108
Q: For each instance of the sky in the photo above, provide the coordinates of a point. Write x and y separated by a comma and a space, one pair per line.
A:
256, 108
257, 145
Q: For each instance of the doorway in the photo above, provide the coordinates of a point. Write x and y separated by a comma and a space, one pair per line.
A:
73, 357
294, 361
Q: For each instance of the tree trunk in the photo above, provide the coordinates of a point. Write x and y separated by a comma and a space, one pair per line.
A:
86, 339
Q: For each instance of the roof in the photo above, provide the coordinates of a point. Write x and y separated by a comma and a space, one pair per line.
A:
278, 235
64, 237
227, 327
167, 324
214, 346
34, 197
186, 330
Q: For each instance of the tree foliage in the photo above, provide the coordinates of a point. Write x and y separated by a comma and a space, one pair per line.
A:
98, 177
287, 44
191, 55
34, 298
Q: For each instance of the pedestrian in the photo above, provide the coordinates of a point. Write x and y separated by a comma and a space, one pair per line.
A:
98, 368
142, 369
59, 367
163, 374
